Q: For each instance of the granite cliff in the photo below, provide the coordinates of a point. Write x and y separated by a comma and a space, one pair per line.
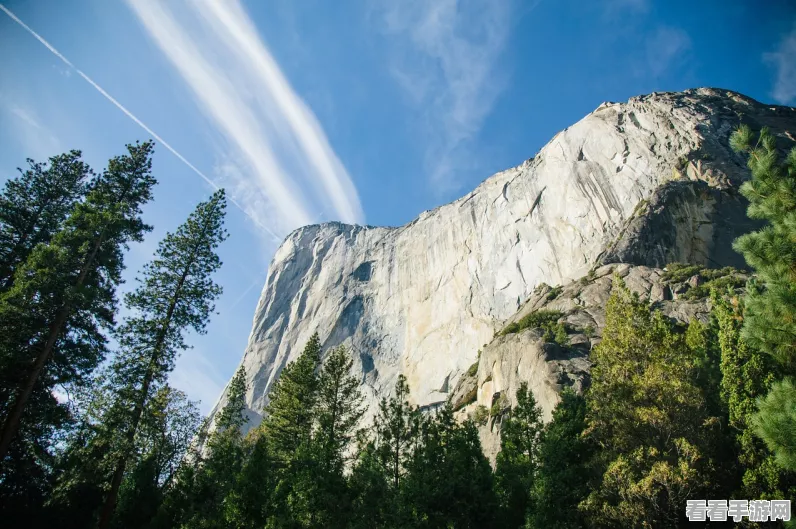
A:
647, 182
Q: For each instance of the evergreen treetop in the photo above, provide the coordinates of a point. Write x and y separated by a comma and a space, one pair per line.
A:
34, 205
769, 316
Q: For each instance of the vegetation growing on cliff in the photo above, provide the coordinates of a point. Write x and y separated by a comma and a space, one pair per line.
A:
548, 321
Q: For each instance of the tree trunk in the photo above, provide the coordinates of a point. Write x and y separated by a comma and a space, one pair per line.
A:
110, 502
11, 425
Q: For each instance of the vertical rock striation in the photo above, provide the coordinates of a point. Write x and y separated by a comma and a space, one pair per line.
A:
649, 181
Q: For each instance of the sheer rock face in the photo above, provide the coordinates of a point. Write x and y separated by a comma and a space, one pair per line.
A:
647, 181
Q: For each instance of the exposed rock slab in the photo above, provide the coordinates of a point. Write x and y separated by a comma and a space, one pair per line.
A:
421, 299
548, 367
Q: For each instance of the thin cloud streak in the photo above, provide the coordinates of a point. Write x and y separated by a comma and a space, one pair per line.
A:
275, 147
219, 99
231, 23
129, 114
784, 61
445, 60
32, 135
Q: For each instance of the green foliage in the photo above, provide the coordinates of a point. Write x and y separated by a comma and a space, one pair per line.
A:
647, 414
517, 461
383, 463
554, 293
498, 406
249, 503
679, 272
719, 279
480, 415
167, 429
468, 398
338, 411
776, 422
719, 284
288, 421
232, 414
62, 297
207, 489
769, 317
546, 320
563, 475
747, 374
473, 369
541, 286
176, 293
770, 305
449, 481
35, 205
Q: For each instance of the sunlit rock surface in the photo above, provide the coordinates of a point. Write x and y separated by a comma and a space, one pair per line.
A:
548, 367
649, 181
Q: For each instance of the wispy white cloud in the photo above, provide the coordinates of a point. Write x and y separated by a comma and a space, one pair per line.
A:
664, 47
445, 58
784, 61
258, 219
275, 148
37, 140
231, 23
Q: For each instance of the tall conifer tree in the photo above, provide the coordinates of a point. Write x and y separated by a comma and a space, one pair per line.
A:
563, 476
65, 291
337, 412
648, 416
176, 293
34, 205
517, 460
289, 413
449, 480
770, 304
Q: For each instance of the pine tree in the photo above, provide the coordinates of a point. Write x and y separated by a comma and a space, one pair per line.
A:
34, 205
776, 422
648, 416
517, 460
176, 293
167, 429
206, 497
770, 303
64, 292
449, 481
563, 475
289, 413
249, 504
396, 428
232, 415
373, 502
337, 413
339, 409
377, 480
747, 374
290, 417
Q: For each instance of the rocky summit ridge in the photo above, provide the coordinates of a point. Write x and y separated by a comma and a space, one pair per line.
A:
647, 182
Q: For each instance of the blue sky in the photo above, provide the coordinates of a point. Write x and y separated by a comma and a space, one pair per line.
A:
366, 111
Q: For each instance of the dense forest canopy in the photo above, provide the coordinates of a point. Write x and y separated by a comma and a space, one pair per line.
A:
673, 413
